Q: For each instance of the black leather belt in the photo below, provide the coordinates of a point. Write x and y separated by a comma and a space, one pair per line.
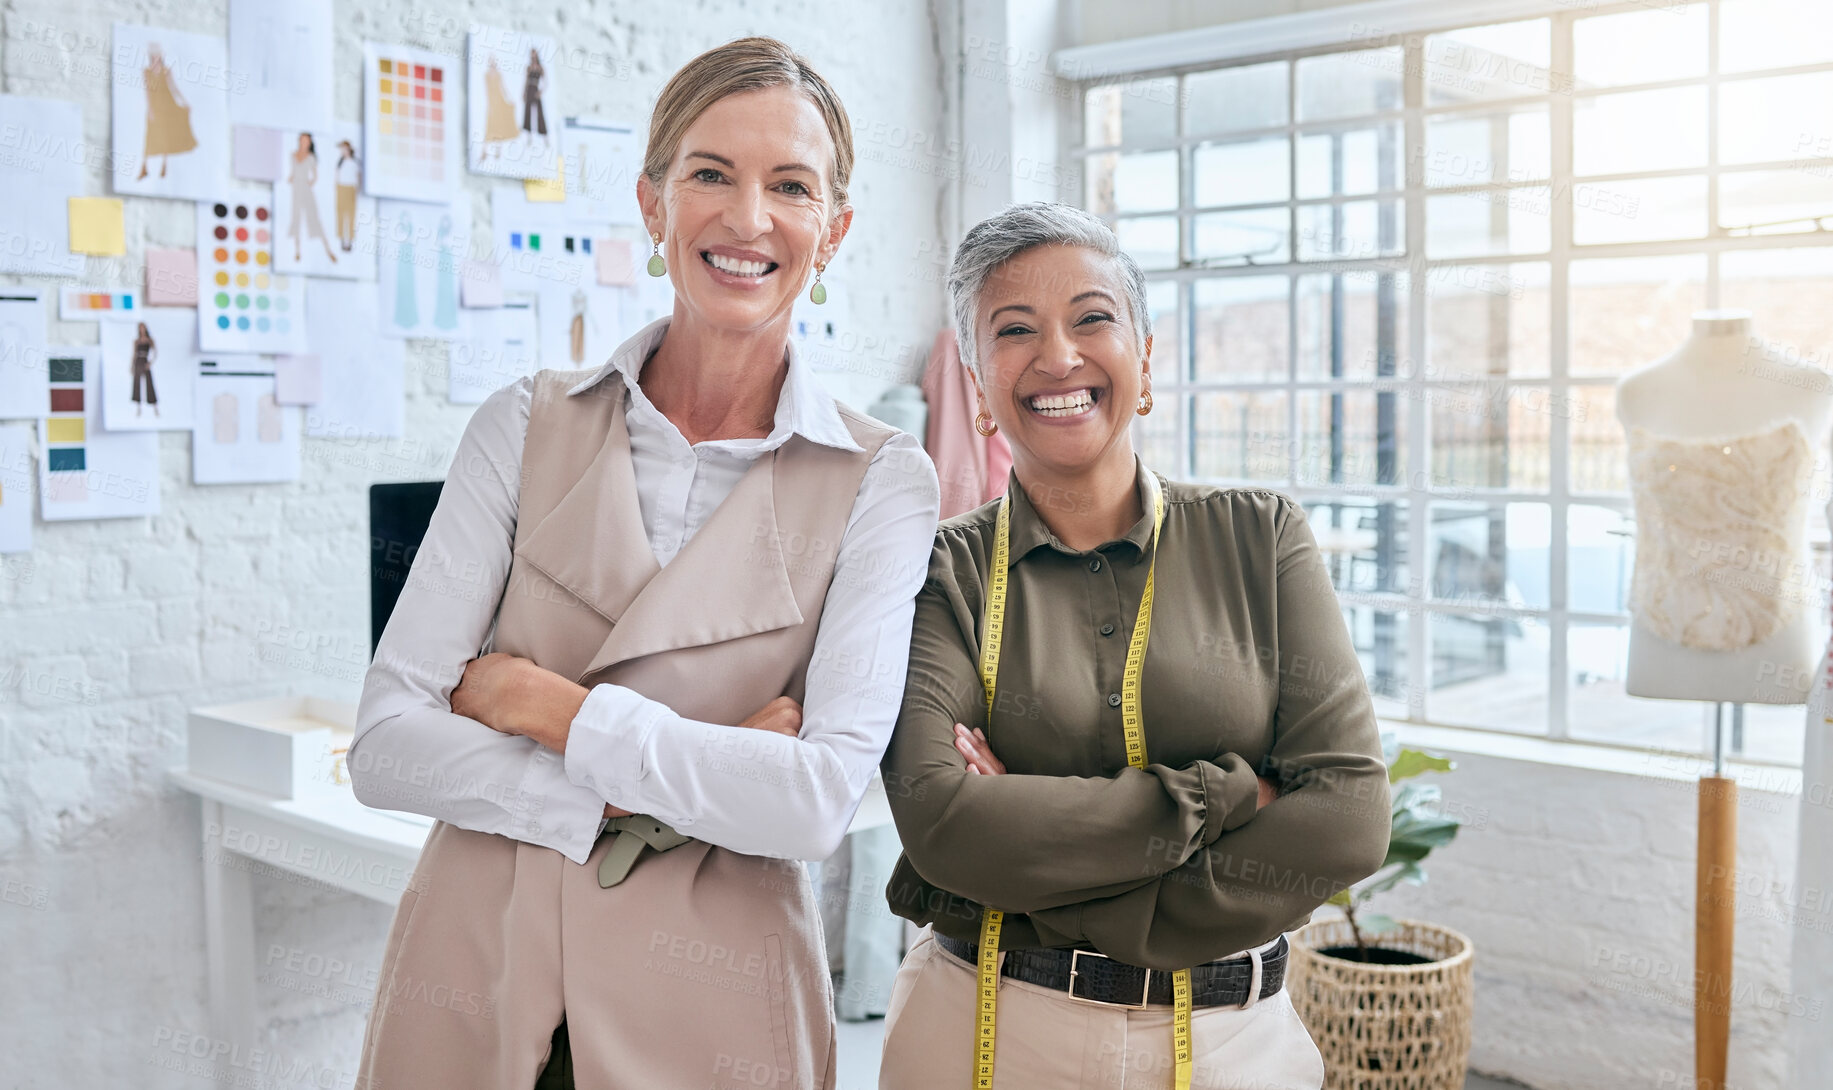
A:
1097, 978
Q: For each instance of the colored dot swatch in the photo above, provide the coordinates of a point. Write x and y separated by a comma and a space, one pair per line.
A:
252, 307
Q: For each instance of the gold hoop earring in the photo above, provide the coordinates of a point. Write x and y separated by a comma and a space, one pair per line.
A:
983, 423
657, 267
1145, 402
818, 294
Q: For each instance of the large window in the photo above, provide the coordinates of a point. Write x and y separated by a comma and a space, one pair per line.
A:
1399, 277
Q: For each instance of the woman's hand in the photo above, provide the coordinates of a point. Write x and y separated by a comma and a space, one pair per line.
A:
782, 716
973, 745
515, 696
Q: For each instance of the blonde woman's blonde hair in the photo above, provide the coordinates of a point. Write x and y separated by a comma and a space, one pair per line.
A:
747, 64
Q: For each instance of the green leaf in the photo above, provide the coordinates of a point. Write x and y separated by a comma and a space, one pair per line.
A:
1374, 923
1413, 762
1340, 898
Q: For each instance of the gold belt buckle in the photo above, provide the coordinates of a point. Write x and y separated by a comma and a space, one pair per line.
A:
1145, 987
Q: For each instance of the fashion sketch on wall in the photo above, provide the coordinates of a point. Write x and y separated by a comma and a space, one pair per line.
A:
422, 250
511, 100
326, 228
148, 365
171, 112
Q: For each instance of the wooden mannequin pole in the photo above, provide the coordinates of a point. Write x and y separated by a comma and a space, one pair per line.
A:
1716, 917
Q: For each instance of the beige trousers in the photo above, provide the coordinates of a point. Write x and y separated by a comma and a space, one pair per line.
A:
1046, 1039
704, 968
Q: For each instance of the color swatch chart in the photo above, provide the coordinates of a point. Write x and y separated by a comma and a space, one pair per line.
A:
410, 103
243, 305
66, 430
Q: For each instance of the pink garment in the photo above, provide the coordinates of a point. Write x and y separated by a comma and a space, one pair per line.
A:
970, 467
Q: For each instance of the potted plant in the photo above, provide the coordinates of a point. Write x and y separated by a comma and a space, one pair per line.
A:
1388, 1001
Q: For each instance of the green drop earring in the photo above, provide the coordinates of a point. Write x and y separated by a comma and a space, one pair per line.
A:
657, 267
818, 294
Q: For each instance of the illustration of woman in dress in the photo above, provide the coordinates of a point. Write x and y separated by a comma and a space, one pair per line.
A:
168, 115
407, 310
531, 98
349, 177
499, 112
144, 352
303, 175
576, 329
445, 300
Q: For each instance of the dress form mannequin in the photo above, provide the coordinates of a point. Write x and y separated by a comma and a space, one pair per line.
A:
1727, 432
1721, 456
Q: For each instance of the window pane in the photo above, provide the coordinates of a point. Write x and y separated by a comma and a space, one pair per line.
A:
1137, 112
1639, 130
1775, 202
1757, 34
1167, 329
1486, 555
1503, 60
1350, 437
1509, 221
1492, 435
1351, 324
1380, 638
1786, 292
1145, 182
1240, 436
1247, 97
1243, 238
1765, 120
1352, 229
1600, 554
1243, 173
1349, 161
1488, 671
1363, 543
1151, 241
1639, 211
1625, 312
1156, 435
1599, 459
1487, 320
1241, 329
1350, 84
1497, 146
1640, 46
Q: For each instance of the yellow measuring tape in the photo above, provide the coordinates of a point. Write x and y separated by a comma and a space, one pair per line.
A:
987, 1008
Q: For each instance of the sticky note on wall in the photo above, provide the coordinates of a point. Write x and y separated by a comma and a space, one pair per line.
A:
171, 278
97, 226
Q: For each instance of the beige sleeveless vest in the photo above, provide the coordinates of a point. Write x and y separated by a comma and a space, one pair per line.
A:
704, 967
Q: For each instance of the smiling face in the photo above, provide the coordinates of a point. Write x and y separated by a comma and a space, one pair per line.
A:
1061, 369
746, 210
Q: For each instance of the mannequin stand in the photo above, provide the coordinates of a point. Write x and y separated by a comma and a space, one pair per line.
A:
1716, 910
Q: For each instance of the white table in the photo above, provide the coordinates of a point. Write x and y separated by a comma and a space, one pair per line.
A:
332, 839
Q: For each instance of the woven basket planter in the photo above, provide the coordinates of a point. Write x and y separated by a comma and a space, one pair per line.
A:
1385, 1027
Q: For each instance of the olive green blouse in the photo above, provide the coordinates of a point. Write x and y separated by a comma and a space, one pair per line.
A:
1249, 671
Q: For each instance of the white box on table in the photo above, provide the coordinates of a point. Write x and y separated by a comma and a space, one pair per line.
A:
289, 747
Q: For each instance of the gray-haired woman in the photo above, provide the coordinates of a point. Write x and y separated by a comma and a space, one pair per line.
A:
1131, 823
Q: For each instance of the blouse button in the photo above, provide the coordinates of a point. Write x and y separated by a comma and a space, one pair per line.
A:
1095, 564
1113, 700
1107, 630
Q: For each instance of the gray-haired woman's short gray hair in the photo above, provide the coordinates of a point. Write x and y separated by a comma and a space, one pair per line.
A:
998, 239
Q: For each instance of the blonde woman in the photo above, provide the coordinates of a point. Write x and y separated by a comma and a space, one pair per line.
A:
1136, 744
667, 573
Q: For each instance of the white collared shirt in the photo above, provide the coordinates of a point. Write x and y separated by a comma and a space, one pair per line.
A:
412, 753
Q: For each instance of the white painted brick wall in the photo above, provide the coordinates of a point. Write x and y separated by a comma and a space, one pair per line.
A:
109, 631
1577, 889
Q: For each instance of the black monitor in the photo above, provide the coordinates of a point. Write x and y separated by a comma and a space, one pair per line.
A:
398, 517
